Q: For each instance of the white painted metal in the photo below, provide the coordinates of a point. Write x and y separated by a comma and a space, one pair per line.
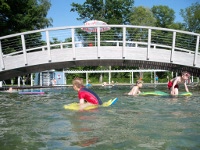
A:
24, 50
140, 50
173, 46
48, 45
1, 58
111, 71
149, 43
196, 51
124, 42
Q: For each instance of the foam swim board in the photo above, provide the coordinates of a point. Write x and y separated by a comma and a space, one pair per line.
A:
31, 93
75, 106
160, 93
186, 94
154, 93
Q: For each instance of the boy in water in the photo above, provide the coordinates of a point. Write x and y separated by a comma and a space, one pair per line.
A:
173, 83
135, 90
86, 96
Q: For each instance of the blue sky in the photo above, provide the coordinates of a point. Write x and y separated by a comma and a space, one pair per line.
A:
61, 15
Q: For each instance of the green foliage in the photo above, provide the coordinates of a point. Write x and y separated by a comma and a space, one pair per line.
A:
142, 16
110, 11
23, 15
20, 16
191, 17
164, 16
176, 26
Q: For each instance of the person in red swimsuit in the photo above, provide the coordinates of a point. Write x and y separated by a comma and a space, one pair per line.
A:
86, 96
173, 83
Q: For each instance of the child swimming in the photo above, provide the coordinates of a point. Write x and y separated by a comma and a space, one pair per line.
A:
86, 96
135, 90
173, 83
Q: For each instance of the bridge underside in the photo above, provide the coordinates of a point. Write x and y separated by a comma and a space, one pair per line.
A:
4, 75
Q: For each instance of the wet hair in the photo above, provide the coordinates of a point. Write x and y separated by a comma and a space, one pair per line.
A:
78, 82
186, 74
139, 81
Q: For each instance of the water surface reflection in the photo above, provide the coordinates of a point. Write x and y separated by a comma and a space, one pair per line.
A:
141, 122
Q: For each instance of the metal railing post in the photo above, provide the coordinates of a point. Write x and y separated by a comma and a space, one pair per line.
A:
149, 43
196, 52
98, 43
1, 58
124, 43
24, 50
73, 44
48, 46
173, 46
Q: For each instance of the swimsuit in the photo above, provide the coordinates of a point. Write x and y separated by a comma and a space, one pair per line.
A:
170, 84
89, 96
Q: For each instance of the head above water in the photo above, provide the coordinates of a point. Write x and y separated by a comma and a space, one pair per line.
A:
78, 82
139, 83
185, 75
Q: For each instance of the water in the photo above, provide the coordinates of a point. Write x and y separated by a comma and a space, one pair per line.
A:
30, 122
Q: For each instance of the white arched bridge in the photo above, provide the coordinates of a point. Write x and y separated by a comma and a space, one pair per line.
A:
122, 45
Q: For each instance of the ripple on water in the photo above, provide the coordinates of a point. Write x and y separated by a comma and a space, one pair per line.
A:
141, 122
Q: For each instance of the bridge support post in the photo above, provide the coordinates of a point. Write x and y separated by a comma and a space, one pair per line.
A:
31, 79
18, 81
86, 78
132, 78
109, 77
196, 51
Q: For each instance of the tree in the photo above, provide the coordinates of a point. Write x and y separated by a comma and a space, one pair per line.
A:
19, 16
191, 17
176, 26
110, 11
23, 15
164, 16
142, 16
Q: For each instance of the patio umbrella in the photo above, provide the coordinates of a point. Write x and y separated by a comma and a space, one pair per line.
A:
94, 29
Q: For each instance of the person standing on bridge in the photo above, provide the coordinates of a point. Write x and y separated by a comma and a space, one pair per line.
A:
86, 96
173, 83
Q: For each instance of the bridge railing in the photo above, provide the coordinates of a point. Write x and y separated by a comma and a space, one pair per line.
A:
118, 35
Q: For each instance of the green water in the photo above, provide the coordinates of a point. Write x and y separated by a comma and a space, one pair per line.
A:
32, 122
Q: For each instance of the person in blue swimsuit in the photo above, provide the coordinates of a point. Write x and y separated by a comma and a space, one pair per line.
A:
86, 96
156, 79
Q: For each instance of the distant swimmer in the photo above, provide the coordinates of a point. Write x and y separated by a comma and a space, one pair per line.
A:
136, 88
